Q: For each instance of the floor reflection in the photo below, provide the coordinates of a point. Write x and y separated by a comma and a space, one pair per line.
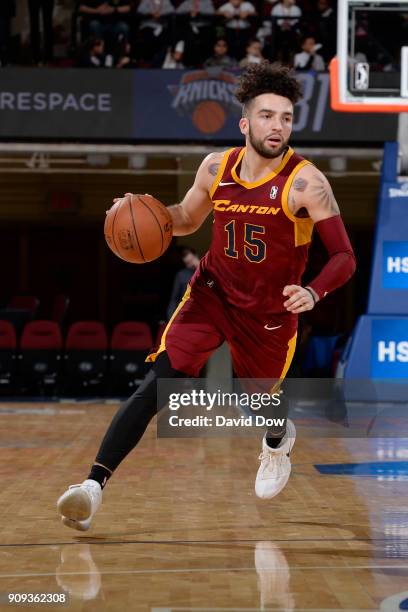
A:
78, 574
386, 482
273, 577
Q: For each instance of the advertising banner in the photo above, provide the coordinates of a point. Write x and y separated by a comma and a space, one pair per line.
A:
162, 105
200, 105
65, 104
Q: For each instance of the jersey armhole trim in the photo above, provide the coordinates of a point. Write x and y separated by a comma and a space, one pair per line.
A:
220, 172
285, 194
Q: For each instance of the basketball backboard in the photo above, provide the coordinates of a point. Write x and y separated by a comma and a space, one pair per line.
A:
370, 72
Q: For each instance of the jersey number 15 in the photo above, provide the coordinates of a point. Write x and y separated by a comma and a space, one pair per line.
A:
254, 247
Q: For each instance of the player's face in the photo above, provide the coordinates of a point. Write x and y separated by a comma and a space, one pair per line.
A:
268, 125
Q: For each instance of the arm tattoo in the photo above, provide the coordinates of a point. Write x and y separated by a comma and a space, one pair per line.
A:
323, 194
213, 169
300, 184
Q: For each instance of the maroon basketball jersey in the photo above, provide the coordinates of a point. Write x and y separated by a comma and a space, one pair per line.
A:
258, 246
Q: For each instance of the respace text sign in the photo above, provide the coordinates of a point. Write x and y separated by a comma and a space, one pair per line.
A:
54, 100
395, 265
65, 103
389, 352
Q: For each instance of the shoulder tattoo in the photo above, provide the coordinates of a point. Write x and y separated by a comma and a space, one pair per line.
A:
323, 195
300, 184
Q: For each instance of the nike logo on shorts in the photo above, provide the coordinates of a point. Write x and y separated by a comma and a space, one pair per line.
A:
271, 328
224, 184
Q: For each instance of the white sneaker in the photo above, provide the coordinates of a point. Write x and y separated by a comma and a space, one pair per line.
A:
78, 525
274, 471
79, 503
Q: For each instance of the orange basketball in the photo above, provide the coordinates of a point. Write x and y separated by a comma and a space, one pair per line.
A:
138, 228
208, 117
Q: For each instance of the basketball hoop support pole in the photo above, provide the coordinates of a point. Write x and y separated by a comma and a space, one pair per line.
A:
403, 143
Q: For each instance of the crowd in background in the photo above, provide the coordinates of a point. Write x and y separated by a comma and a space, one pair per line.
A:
169, 33
191, 33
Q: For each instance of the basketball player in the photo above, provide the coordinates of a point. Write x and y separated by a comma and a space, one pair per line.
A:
247, 291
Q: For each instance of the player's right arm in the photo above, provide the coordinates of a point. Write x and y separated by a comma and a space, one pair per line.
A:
196, 205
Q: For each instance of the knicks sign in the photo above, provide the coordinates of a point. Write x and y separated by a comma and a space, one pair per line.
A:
389, 348
395, 265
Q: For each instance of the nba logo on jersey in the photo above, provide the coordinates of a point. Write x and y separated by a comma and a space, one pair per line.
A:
274, 192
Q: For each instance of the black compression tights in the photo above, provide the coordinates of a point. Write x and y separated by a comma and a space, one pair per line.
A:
131, 420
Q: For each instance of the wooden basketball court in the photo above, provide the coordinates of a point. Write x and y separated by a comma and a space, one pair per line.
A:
180, 528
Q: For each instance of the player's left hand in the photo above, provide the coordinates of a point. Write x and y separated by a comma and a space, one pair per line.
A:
299, 300
116, 200
124, 196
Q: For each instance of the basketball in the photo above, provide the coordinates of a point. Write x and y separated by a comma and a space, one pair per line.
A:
138, 228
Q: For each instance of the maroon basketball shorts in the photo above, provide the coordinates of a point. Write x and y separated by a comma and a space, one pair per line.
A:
261, 347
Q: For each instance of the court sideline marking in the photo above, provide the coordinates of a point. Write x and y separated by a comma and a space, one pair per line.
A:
206, 569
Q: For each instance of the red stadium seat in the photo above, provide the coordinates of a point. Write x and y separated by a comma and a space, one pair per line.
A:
39, 357
87, 335
8, 340
41, 335
85, 358
130, 343
131, 336
8, 345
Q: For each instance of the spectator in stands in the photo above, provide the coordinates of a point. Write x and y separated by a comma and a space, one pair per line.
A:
46, 7
325, 9
94, 56
174, 56
308, 59
238, 15
253, 53
195, 25
183, 276
287, 14
7, 12
107, 20
285, 20
220, 57
154, 27
123, 57
195, 8
325, 23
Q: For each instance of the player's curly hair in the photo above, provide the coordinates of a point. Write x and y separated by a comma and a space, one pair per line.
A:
267, 78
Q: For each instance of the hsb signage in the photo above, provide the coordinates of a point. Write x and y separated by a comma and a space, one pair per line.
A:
389, 348
395, 265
